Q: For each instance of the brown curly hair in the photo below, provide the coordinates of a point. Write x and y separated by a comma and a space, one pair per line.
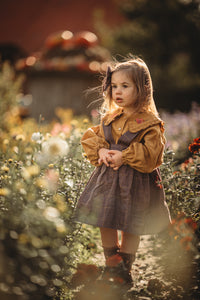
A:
138, 72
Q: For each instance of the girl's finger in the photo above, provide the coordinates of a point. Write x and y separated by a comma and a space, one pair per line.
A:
112, 165
105, 162
112, 152
99, 161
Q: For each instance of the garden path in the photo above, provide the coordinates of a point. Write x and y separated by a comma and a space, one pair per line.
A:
160, 271
146, 265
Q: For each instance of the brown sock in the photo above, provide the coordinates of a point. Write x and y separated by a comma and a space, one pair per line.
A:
128, 259
110, 251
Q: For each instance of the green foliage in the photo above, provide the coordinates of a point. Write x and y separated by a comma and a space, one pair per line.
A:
38, 237
41, 178
10, 87
180, 129
181, 185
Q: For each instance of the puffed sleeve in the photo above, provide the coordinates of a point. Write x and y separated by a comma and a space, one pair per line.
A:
146, 155
93, 140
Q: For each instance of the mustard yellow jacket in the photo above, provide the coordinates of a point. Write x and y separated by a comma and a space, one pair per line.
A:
145, 152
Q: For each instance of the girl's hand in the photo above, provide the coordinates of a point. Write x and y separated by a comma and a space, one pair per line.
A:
104, 157
115, 159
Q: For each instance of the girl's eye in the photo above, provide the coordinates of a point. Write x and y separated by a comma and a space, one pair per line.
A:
113, 86
125, 85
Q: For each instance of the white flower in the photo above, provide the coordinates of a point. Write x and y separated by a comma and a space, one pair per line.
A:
55, 147
36, 136
69, 182
51, 213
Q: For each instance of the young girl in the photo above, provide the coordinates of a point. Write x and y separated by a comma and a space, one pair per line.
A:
124, 192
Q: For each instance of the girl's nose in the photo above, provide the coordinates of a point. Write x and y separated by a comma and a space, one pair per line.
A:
118, 90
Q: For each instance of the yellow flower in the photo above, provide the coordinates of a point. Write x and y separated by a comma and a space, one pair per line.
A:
51, 166
4, 192
10, 160
36, 242
74, 123
60, 202
85, 121
28, 150
23, 238
19, 185
47, 136
30, 171
20, 137
6, 142
41, 183
5, 169
61, 228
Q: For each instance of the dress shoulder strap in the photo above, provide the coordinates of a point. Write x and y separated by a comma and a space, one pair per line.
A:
108, 133
127, 137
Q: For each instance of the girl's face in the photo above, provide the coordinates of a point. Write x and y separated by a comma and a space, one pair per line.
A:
124, 91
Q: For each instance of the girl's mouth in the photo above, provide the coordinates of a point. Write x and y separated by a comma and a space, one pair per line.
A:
119, 100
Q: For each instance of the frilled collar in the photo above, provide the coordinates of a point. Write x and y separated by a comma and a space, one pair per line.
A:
137, 121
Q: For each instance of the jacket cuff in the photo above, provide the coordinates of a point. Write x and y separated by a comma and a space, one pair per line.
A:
124, 160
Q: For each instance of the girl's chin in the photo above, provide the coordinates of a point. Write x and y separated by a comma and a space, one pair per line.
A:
119, 103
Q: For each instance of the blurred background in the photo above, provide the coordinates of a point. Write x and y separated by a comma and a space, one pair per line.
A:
62, 47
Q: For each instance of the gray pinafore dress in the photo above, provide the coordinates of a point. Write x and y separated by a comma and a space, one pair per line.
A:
125, 199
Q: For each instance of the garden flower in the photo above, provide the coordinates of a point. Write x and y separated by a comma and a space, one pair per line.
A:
20, 137
85, 121
74, 123
52, 178
15, 149
36, 136
195, 146
6, 142
94, 113
5, 169
52, 150
47, 136
60, 202
60, 225
51, 166
28, 150
55, 147
51, 213
30, 171
4, 192
61, 129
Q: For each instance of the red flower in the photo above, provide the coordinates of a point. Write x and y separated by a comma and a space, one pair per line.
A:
195, 146
191, 223
197, 140
158, 183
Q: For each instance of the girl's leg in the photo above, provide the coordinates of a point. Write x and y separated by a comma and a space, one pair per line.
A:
129, 246
130, 243
109, 237
110, 242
